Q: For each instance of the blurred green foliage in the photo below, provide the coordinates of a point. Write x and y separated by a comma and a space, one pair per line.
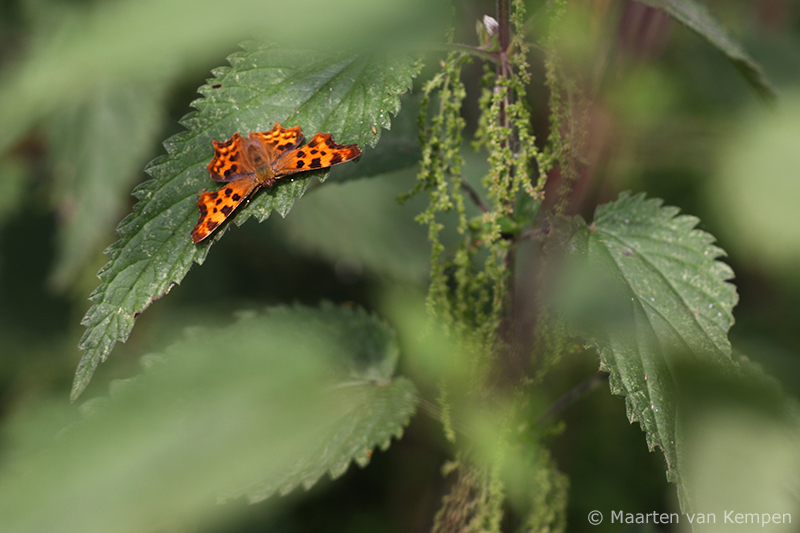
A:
290, 401
184, 439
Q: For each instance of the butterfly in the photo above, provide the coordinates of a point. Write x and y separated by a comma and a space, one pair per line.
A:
246, 164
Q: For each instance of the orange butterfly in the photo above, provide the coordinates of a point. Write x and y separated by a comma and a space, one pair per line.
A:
245, 164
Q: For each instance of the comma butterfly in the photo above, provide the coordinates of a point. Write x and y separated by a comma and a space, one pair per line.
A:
246, 164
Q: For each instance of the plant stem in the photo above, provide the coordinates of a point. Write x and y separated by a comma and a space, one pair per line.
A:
535, 233
467, 49
503, 21
474, 196
576, 392
504, 39
506, 328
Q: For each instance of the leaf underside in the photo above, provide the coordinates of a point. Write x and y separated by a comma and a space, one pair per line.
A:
664, 297
272, 401
370, 415
349, 96
696, 17
370, 405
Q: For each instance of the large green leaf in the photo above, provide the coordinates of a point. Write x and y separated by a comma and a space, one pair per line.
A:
272, 401
647, 290
696, 17
98, 147
350, 96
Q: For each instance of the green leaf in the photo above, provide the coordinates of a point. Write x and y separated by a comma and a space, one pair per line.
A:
366, 405
98, 148
371, 230
646, 289
696, 17
346, 95
367, 415
272, 401
151, 39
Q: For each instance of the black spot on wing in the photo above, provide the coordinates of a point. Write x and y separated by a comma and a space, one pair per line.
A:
226, 210
300, 164
233, 169
336, 159
236, 197
315, 163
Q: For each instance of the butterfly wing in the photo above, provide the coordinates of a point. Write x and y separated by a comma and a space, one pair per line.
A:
320, 152
276, 142
216, 206
242, 164
230, 160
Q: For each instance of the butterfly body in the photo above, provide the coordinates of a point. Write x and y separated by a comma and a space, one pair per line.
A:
266, 176
247, 164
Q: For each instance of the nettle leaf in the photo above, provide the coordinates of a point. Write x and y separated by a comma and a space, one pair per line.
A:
349, 96
646, 289
696, 17
367, 415
364, 404
272, 401
93, 177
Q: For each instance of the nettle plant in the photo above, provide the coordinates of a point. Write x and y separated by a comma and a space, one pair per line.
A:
639, 285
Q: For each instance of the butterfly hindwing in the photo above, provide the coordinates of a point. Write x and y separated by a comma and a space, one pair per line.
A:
216, 206
320, 152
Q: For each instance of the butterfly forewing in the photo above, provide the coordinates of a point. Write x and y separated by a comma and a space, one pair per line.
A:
320, 152
277, 141
216, 206
229, 163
